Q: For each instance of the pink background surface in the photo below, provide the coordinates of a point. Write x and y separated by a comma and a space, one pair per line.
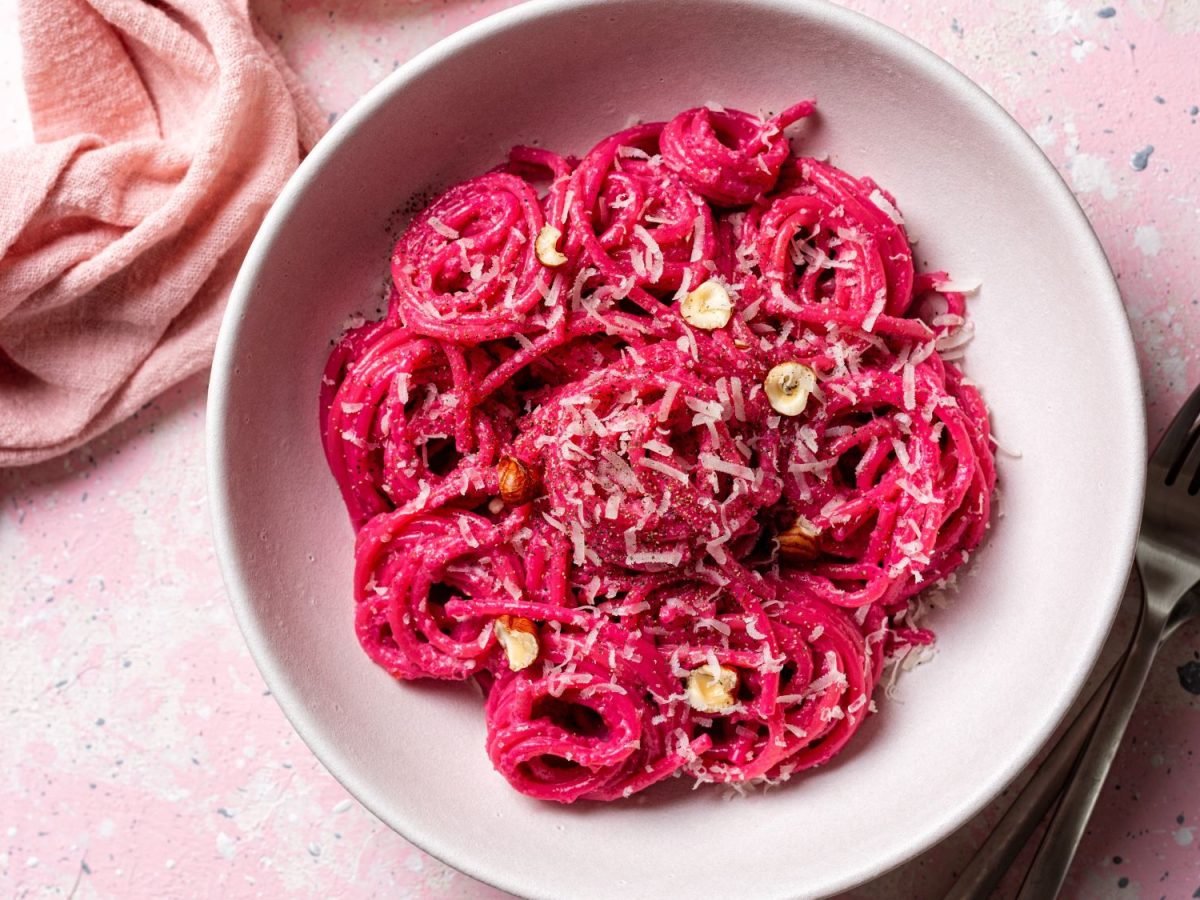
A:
140, 753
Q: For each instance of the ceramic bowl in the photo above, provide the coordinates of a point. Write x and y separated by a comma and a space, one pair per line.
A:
1052, 352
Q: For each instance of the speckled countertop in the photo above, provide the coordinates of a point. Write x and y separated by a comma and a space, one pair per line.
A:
140, 753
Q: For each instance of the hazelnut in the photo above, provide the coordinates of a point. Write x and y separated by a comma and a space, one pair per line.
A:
711, 691
788, 386
708, 307
799, 542
519, 483
546, 246
518, 637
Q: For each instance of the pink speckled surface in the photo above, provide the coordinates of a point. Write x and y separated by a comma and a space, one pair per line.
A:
141, 755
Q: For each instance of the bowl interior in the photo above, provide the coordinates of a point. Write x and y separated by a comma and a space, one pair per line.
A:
1052, 354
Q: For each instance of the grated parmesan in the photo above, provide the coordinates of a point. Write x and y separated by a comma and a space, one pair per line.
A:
443, 229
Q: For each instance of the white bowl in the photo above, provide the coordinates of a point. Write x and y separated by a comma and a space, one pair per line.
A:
1053, 354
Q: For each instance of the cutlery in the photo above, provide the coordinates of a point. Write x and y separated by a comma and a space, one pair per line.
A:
1004, 843
1168, 561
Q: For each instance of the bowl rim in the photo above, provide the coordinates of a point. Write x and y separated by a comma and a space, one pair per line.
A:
1127, 387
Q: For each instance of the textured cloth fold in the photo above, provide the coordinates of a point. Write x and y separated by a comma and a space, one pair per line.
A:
163, 133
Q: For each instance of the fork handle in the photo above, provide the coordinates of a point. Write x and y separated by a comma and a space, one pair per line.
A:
1053, 859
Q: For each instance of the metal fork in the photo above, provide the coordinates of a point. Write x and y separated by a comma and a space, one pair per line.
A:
1168, 559
1003, 845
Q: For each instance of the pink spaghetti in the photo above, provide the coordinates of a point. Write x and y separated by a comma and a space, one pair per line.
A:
571, 487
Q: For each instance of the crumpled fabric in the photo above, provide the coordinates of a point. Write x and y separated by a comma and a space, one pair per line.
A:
163, 133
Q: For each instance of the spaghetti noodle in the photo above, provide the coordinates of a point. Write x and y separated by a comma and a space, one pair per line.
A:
663, 542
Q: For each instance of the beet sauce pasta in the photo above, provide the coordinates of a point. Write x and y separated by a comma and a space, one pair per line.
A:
661, 446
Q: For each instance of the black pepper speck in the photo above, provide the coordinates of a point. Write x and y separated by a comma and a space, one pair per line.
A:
1106, 12
1122, 882
1140, 160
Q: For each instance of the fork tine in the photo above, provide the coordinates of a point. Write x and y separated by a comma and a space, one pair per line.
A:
1175, 441
1189, 472
1182, 458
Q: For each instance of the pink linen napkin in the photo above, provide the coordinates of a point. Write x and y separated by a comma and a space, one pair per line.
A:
164, 131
